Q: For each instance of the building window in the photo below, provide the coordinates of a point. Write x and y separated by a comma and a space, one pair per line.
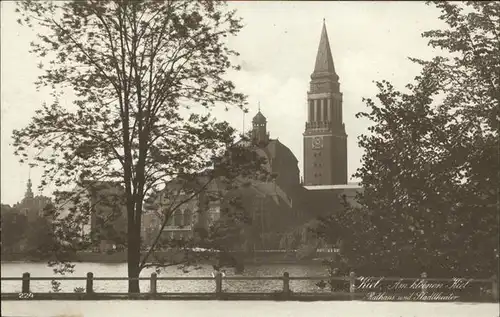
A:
178, 218
214, 213
325, 109
170, 221
188, 218
311, 110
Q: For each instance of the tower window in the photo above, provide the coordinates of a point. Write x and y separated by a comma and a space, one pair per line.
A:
325, 110
311, 110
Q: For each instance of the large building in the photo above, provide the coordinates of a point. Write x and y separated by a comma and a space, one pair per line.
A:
280, 159
270, 204
277, 205
325, 139
285, 202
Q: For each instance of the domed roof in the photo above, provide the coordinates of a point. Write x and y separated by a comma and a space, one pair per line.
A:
259, 118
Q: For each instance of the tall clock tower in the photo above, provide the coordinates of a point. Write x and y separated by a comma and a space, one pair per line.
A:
325, 140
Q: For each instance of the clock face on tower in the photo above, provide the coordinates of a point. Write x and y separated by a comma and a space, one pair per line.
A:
317, 142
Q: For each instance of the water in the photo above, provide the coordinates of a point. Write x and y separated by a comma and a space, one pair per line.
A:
16, 269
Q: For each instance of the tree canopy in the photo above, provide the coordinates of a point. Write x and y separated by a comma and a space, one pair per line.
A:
430, 171
137, 69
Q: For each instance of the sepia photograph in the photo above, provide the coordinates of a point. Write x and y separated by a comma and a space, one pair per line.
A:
250, 158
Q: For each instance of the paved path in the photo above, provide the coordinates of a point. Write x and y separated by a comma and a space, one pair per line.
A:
243, 309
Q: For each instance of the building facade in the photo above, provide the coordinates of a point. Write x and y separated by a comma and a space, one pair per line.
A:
270, 204
101, 208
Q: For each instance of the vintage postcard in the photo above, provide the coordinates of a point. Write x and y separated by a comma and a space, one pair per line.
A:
250, 158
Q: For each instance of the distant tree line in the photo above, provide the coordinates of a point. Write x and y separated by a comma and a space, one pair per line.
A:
25, 237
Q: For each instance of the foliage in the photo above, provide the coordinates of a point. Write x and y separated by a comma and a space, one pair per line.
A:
337, 267
13, 228
39, 238
306, 251
29, 237
136, 68
305, 235
430, 169
56, 286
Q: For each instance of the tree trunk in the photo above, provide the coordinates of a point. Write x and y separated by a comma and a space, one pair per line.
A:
133, 258
133, 252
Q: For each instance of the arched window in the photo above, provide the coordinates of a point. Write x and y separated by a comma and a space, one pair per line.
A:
188, 217
178, 218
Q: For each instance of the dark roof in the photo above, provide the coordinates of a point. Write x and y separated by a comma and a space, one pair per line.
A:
270, 191
275, 148
259, 118
324, 60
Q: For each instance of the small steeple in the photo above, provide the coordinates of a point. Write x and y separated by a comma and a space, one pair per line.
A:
259, 119
29, 191
259, 131
324, 60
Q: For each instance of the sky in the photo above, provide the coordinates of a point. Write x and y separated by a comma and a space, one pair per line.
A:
370, 41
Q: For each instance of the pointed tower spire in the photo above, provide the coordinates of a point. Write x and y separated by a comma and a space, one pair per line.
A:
324, 127
324, 60
29, 191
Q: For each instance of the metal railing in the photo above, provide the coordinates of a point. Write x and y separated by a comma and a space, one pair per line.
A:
360, 288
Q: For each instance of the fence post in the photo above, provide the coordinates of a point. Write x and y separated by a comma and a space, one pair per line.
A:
26, 283
352, 284
90, 283
152, 285
494, 287
423, 276
286, 283
218, 283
